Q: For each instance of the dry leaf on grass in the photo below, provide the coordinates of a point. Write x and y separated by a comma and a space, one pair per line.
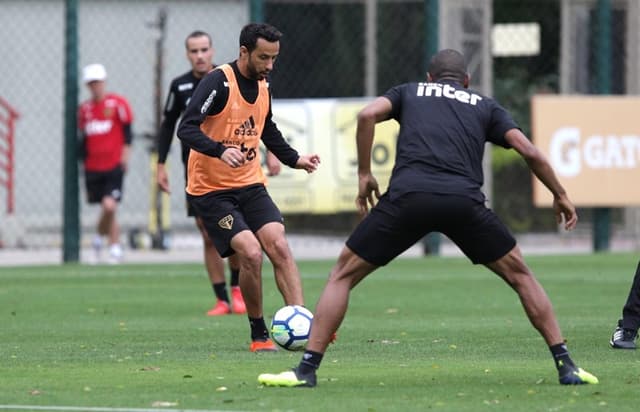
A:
161, 404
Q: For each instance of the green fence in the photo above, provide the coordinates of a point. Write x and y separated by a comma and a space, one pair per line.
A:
334, 48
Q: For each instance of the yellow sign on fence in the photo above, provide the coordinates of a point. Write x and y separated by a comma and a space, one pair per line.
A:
327, 127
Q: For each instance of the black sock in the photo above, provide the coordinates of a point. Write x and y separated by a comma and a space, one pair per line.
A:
220, 289
235, 277
310, 362
561, 357
258, 329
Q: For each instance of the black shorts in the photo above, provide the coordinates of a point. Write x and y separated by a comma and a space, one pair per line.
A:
226, 213
101, 184
190, 211
391, 228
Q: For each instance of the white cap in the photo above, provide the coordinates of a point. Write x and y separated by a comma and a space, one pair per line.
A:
94, 72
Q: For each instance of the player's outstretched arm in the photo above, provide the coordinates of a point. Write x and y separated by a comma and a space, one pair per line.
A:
376, 111
563, 207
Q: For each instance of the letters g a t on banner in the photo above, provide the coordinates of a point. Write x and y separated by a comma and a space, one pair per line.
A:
593, 143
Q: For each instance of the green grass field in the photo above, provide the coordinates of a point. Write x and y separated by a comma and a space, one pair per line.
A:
420, 334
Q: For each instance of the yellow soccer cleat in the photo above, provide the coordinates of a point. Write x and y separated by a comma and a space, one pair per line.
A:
288, 379
578, 376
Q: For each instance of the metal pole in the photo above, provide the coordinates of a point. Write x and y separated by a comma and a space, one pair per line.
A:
159, 210
256, 11
371, 60
602, 215
431, 28
71, 209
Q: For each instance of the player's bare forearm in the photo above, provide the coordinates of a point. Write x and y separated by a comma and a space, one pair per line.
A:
544, 172
564, 210
364, 140
376, 111
536, 161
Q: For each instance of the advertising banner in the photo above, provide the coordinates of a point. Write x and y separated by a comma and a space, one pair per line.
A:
327, 127
593, 144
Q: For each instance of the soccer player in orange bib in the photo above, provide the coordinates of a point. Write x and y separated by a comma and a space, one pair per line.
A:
200, 55
223, 124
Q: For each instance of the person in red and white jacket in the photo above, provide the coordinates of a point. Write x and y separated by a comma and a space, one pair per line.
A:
104, 122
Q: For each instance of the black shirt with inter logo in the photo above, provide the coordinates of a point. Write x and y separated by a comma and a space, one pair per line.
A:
443, 131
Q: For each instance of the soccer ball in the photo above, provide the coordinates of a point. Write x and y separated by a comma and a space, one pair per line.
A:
290, 327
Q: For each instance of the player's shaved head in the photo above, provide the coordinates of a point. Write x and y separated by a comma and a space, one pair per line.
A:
448, 64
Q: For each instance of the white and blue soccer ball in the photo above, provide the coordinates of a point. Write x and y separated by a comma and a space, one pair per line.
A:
290, 327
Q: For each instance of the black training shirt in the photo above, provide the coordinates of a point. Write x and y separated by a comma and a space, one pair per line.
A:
180, 92
443, 130
213, 86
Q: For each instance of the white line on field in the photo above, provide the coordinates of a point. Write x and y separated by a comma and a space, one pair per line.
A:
99, 409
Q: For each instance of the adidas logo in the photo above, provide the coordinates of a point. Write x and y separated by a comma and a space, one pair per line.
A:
247, 128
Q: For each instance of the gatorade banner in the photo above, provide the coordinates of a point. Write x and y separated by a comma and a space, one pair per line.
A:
593, 144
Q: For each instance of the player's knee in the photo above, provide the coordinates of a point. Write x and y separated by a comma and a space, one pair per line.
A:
512, 268
350, 268
109, 205
279, 250
518, 275
253, 256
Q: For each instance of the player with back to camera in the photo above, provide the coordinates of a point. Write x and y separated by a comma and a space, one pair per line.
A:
104, 123
200, 51
436, 186
223, 124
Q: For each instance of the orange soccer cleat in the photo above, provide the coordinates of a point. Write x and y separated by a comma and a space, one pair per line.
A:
263, 346
221, 308
237, 301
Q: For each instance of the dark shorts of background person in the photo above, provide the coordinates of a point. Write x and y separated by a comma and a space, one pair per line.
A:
101, 184
228, 212
191, 212
185, 159
392, 227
